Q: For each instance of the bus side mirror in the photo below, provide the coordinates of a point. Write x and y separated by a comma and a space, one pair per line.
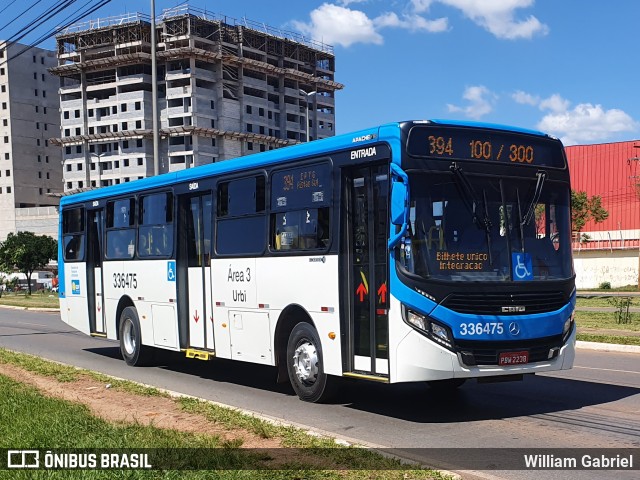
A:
398, 203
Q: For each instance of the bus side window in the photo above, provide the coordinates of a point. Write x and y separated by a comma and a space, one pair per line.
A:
73, 247
286, 231
305, 229
121, 243
73, 234
155, 231
144, 245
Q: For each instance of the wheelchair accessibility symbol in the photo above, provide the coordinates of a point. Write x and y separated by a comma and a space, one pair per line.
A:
171, 271
522, 267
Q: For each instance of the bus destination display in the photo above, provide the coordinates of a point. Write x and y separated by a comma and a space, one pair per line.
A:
484, 145
305, 186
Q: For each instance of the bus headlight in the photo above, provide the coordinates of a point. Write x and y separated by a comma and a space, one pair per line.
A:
417, 321
440, 332
425, 325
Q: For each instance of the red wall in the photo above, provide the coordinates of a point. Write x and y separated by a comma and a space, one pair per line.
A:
610, 171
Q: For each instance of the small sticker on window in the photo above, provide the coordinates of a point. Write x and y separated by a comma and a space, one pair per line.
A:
282, 201
131, 249
286, 238
317, 197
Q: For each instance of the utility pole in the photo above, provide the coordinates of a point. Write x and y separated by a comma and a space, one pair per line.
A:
154, 92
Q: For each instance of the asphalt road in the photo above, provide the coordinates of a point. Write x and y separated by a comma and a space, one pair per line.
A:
595, 405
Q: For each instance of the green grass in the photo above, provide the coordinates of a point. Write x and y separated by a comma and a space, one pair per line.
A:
66, 373
626, 288
607, 320
48, 423
62, 373
615, 339
603, 302
35, 300
42, 422
357, 458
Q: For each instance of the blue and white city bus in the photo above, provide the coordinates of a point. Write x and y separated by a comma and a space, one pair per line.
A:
421, 251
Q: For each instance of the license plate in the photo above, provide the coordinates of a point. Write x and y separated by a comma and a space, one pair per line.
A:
513, 358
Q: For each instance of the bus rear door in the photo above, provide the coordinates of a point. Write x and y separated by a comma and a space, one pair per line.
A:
194, 271
95, 297
366, 290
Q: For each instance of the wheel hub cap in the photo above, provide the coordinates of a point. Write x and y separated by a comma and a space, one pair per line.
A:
305, 362
129, 337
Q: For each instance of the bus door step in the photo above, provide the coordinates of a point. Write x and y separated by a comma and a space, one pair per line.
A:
199, 354
366, 376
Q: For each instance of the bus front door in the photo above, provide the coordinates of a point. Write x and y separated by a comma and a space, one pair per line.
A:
95, 298
194, 272
366, 223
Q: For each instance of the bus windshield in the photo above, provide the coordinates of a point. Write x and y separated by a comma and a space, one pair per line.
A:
477, 228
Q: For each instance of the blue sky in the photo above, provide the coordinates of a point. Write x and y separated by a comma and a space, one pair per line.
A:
563, 66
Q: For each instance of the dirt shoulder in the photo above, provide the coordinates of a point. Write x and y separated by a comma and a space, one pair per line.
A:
119, 406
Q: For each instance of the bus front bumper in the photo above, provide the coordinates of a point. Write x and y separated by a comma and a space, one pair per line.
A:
420, 359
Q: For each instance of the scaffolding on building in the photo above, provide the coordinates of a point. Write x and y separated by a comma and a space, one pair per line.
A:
236, 64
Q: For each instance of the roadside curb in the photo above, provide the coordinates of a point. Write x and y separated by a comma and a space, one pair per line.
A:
607, 347
31, 309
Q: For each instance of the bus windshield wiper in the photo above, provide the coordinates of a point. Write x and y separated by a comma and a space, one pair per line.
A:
531, 209
470, 199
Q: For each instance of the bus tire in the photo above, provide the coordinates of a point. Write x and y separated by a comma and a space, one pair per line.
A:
305, 366
447, 385
134, 353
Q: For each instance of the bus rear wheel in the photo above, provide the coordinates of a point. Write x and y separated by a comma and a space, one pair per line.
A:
134, 353
305, 366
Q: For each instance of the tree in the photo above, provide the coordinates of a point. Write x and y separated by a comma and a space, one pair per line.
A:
27, 252
585, 208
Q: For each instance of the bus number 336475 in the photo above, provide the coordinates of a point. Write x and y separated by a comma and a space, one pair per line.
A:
125, 280
480, 328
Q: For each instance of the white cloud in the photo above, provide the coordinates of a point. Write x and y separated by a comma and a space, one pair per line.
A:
421, 6
411, 22
498, 17
525, 98
340, 26
555, 103
480, 102
587, 123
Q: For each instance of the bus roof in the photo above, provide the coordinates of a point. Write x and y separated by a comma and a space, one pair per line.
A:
272, 157
492, 126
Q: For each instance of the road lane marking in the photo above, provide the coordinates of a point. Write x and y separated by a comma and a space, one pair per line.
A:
608, 370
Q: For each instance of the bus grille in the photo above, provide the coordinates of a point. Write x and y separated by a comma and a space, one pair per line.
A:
487, 353
505, 303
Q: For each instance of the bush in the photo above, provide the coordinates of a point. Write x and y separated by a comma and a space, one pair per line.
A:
605, 286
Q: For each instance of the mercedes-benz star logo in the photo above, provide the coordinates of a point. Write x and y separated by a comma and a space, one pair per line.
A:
514, 328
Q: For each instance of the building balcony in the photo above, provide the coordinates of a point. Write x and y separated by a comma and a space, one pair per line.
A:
176, 92
138, 78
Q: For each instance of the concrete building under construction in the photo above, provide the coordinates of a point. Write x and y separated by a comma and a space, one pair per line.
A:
225, 88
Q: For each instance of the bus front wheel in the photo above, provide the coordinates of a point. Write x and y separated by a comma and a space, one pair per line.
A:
133, 352
305, 367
